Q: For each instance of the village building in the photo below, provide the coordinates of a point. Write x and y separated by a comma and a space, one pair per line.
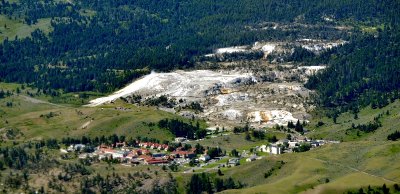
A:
143, 151
233, 162
301, 139
120, 144
183, 153
158, 155
273, 149
105, 156
163, 147
151, 145
156, 162
293, 144
149, 160
251, 158
145, 144
180, 139
116, 154
131, 155
75, 147
204, 158
314, 144
282, 142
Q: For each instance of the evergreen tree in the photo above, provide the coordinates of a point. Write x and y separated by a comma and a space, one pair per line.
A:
299, 127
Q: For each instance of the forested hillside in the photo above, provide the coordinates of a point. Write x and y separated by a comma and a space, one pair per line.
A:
102, 45
364, 72
255, 96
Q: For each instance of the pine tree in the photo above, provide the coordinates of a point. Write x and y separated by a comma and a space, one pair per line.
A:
248, 137
299, 127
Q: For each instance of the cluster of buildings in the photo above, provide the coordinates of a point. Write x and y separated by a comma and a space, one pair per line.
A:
150, 153
146, 153
283, 146
151, 145
288, 145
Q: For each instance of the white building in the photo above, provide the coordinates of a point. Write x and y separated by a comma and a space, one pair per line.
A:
251, 158
75, 147
293, 144
119, 154
204, 158
180, 139
282, 142
273, 149
233, 162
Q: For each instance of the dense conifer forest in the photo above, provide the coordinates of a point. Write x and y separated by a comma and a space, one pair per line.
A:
365, 72
102, 45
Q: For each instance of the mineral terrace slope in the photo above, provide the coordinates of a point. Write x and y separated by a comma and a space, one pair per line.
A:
182, 84
229, 98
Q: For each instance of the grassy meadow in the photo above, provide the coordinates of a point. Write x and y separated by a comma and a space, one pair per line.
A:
16, 27
40, 119
358, 161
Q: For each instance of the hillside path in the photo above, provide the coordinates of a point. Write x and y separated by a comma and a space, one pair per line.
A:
37, 101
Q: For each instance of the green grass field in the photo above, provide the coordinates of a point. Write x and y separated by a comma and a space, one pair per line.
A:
359, 161
368, 159
236, 141
11, 27
346, 166
28, 115
329, 130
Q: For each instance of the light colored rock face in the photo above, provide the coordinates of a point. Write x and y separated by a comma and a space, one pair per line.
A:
179, 84
317, 46
314, 45
271, 118
264, 92
311, 70
232, 114
228, 50
268, 48
229, 98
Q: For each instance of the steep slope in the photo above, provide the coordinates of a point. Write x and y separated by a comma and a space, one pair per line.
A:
361, 73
